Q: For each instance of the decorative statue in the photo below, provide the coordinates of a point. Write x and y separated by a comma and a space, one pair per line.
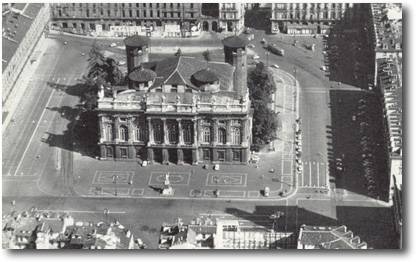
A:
163, 99
167, 182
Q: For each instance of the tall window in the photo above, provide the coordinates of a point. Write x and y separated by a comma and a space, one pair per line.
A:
158, 132
141, 132
207, 134
235, 136
187, 133
124, 133
222, 135
109, 132
173, 133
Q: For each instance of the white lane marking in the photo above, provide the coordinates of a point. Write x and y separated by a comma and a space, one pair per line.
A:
34, 132
81, 211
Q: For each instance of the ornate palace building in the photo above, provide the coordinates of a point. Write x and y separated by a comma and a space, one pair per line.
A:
309, 18
178, 110
151, 19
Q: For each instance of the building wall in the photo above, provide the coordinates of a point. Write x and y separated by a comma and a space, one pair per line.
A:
83, 18
307, 18
23, 52
175, 139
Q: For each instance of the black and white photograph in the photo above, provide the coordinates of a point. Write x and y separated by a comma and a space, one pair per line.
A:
220, 125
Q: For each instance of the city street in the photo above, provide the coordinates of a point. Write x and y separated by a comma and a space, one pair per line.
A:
41, 168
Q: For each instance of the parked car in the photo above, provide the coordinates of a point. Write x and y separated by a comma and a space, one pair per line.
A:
113, 45
82, 54
251, 46
255, 57
65, 42
275, 66
324, 68
121, 62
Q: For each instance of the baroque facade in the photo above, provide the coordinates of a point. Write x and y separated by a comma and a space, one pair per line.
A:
151, 19
178, 110
308, 18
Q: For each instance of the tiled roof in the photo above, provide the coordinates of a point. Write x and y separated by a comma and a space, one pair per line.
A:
320, 237
15, 27
179, 70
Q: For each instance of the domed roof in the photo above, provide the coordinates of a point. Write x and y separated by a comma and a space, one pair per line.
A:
136, 41
235, 42
205, 76
142, 75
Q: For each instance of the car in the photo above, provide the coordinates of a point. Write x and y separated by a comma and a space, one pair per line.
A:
121, 62
324, 68
275, 66
256, 57
263, 41
113, 45
251, 46
65, 42
82, 54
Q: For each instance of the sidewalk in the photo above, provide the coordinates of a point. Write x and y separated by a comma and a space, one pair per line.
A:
21, 83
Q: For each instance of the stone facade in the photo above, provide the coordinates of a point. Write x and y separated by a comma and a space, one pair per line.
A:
154, 19
308, 18
169, 117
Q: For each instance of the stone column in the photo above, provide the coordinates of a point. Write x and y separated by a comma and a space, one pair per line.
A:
165, 155
165, 132
150, 155
180, 131
102, 129
215, 132
195, 132
195, 156
244, 133
228, 132
116, 134
131, 130
180, 156
150, 128
103, 152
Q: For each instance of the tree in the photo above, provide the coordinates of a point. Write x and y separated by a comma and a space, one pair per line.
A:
96, 62
265, 121
207, 55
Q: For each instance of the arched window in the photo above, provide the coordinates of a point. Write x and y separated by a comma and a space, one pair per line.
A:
141, 132
173, 133
222, 135
235, 136
108, 132
187, 133
206, 134
124, 133
158, 132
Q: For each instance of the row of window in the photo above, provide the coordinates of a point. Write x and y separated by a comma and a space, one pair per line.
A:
207, 156
140, 134
235, 135
310, 6
150, 5
324, 15
129, 13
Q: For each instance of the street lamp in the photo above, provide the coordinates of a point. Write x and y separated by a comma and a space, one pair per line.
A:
115, 178
267, 58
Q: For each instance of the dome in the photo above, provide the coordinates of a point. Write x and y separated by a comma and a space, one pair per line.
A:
136, 41
142, 75
235, 42
205, 76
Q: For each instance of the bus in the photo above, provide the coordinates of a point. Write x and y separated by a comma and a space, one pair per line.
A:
275, 49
